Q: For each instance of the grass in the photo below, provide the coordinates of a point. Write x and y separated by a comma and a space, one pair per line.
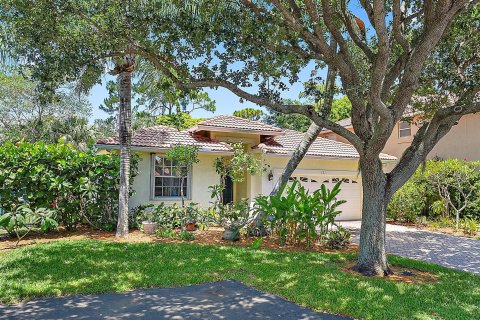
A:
309, 279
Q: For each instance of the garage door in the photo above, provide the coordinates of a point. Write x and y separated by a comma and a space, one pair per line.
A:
351, 192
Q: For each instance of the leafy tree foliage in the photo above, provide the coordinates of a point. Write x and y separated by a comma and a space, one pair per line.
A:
341, 109
445, 188
180, 121
25, 115
156, 102
249, 113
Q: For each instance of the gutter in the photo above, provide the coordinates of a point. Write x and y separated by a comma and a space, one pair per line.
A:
152, 149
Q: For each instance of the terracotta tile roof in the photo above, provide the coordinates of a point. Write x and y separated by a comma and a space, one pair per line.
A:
286, 144
166, 137
347, 123
232, 122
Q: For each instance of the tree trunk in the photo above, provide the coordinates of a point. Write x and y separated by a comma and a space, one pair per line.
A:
297, 156
311, 134
124, 132
372, 258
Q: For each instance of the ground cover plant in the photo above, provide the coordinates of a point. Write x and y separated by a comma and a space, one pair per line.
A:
310, 279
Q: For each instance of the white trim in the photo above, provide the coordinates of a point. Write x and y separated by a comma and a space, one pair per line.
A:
156, 150
319, 172
237, 130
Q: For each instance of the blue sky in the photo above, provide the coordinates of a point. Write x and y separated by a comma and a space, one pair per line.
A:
226, 101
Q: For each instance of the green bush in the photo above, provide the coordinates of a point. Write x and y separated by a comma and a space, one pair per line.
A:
298, 215
21, 220
186, 236
338, 239
80, 186
470, 226
437, 190
165, 233
173, 216
407, 203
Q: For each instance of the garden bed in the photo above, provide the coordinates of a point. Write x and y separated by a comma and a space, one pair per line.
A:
400, 274
211, 236
429, 227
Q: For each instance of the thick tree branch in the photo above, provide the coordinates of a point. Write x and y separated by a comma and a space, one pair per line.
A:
346, 17
398, 27
425, 140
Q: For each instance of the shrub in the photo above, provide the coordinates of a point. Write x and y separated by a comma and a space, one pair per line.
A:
165, 233
298, 215
20, 221
80, 186
186, 236
233, 216
470, 226
338, 239
444, 188
407, 203
174, 216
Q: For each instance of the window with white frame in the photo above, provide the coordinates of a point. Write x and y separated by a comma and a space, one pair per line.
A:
404, 129
167, 181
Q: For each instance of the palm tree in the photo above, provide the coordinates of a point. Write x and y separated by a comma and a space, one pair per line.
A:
123, 70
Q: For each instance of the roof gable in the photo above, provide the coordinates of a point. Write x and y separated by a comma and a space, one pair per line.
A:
236, 124
163, 137
321, 147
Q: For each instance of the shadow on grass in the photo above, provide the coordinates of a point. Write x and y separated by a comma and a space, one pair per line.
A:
309, 279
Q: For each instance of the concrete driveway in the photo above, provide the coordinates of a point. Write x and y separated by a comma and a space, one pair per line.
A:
220, 300
449, 251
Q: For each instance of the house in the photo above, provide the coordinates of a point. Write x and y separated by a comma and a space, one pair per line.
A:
326, 162
462, 142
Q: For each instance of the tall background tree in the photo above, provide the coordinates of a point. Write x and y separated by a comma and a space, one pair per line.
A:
79, 40
25, 114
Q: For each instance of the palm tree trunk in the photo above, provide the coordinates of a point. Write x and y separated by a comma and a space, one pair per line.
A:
124, 77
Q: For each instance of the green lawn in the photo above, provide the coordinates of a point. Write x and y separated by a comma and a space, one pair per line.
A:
309, 279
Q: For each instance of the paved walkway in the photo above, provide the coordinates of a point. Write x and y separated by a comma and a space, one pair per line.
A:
220, 300
449, 251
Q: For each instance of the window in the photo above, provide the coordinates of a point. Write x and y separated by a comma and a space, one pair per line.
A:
166, 180
404, 129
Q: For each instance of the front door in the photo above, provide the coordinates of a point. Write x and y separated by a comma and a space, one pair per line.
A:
228, 191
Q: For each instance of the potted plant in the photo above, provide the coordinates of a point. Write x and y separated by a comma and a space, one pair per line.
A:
191, 216
233, 218
149, 226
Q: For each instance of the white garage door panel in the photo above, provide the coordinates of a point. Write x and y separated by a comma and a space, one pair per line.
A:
351, 192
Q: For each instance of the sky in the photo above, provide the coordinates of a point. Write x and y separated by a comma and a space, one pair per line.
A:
226, 101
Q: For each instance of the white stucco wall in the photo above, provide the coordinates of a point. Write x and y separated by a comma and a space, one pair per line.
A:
261, 184
203, 175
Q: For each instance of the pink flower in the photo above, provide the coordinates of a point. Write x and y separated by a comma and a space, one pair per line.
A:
53, 204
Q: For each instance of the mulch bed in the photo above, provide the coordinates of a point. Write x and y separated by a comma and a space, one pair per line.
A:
211, 236
446, 230
400, 274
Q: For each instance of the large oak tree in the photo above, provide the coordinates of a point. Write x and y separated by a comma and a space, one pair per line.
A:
391, 55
